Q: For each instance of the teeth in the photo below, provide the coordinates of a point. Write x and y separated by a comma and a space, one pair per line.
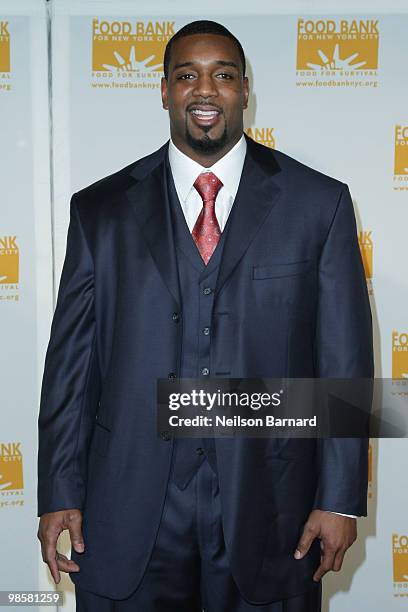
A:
202, 113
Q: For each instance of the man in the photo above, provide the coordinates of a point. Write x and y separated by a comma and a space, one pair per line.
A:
213, 256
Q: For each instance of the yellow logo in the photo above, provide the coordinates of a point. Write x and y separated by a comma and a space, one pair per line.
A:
399, 355
401, 158
11, 466
366, 248
4, 47
9, 260
400, 562
337, 48
5, 65
337, 45
401, 150
264, 136
128, 54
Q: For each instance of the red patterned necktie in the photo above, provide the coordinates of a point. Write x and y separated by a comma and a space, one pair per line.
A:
206, 231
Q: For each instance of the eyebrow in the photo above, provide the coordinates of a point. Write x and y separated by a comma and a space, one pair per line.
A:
219, 62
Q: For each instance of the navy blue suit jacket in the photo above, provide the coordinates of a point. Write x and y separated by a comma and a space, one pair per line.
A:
291, 279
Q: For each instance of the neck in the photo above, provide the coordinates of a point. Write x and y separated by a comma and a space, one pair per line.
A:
201, 158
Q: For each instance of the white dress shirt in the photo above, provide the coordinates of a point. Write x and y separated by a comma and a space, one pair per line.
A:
185, 171
228, 169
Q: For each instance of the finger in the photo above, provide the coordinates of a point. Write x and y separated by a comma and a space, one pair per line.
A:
305, 542
41, 537
51, 561
42, 551
327, 563
49, 551
338, 560
65, 564
75, 532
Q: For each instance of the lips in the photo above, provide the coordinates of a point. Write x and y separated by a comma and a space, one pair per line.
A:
204, 115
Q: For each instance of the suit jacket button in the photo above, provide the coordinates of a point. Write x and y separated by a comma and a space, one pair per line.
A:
171, 375
200, 451
165, 436
176, 317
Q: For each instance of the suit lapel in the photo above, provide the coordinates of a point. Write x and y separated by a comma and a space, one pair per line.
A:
149, 200
257, 194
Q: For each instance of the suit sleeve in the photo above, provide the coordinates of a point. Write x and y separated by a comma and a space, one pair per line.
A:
71, 382
343, 349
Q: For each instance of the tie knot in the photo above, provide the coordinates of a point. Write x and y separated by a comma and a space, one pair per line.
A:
208, 185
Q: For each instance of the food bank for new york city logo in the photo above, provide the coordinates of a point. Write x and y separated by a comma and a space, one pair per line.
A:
337, 45
401, 150
366, 248
129, 47
11, 466
4, 47
400, 563
264, 136
399, 355
9, 260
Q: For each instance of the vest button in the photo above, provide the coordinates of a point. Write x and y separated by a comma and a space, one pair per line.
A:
206, 331
207, 290
200, 451
205, 371
165, 436
176, 317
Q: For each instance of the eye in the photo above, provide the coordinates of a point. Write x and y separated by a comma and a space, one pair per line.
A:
185, 76
225, 75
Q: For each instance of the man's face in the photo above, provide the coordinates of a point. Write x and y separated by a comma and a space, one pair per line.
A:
205, 94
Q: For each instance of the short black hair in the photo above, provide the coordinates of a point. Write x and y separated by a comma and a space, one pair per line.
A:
201, 27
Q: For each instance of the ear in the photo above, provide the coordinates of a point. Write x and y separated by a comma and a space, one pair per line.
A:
246, 91
164, 97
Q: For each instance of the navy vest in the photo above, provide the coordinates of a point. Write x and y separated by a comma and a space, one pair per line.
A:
197, 282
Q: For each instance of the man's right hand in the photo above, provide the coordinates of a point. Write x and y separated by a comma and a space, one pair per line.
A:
49, 529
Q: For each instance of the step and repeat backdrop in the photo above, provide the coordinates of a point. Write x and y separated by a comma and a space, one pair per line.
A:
80, 98
26, 301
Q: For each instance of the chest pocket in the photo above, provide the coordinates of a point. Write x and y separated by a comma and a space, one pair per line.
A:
280, 270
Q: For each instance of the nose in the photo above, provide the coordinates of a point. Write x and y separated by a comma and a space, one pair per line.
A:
204, 86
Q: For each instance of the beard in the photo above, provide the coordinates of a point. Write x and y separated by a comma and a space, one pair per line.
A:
207, 145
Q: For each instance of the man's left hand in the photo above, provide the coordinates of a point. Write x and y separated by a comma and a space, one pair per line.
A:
336, 534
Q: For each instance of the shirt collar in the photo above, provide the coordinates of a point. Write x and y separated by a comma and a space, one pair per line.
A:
228, 169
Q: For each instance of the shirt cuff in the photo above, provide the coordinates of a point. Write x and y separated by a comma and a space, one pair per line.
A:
341, 514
